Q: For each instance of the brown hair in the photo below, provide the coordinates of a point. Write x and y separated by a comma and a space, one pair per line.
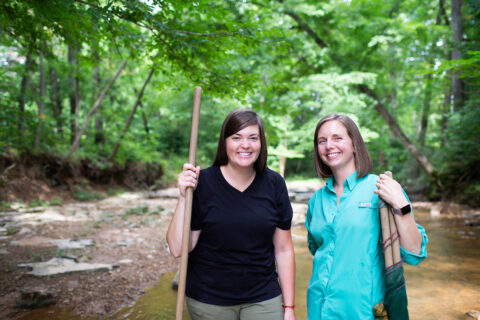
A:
234, 122
363, 161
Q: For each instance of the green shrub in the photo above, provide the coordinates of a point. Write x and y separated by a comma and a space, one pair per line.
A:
86, 194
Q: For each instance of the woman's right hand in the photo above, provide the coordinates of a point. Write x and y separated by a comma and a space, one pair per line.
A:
188, 178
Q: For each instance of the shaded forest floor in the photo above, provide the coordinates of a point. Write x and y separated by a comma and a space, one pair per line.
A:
41, 203
127, 232
30, 177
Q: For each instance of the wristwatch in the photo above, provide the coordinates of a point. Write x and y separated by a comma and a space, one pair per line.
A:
403, 210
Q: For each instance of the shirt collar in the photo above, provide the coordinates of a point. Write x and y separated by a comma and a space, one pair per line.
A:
350, 182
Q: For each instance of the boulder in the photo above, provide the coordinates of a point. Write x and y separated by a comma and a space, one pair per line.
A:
57, 266
35, 298
472, 315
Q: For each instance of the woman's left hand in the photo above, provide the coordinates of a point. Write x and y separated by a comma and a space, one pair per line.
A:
391, 191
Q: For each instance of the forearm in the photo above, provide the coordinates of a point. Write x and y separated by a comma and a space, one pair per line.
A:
392, 193
175, 229
286, 274
410, 237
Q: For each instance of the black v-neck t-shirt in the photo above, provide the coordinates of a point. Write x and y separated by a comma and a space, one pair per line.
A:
233, 261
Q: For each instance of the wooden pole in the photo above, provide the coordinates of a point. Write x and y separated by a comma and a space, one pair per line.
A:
391, 241
192, 155
387, 241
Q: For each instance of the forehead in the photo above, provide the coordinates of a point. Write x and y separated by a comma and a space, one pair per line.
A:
332, 127
253, 129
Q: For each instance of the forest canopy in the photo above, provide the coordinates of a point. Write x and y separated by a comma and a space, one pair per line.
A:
112, 81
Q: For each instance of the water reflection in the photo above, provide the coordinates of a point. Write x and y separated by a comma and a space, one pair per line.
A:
158, 302
447, 284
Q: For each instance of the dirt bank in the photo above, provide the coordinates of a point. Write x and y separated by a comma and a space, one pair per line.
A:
128, 232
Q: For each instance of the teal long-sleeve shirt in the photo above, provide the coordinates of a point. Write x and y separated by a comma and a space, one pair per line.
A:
345, 241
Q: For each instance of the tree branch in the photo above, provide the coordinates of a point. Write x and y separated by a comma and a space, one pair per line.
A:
93, 109
306, 28
130, 117
223, 34
382, 110
143, 25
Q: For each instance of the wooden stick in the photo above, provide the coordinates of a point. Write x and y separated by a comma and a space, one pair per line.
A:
393, 232
395, 238
188, 206
387, 241
389, 232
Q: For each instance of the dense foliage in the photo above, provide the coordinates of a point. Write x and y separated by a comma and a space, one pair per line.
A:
112, 81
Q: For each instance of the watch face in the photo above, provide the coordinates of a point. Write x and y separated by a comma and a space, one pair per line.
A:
406, 209
403, 210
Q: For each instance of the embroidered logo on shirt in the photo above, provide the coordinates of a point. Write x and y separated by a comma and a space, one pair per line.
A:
365, 205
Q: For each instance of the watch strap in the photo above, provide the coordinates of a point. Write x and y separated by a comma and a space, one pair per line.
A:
403, 210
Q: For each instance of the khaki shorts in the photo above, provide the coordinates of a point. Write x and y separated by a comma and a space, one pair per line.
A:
271, 309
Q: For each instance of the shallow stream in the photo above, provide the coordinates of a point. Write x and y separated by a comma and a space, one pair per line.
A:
444, 286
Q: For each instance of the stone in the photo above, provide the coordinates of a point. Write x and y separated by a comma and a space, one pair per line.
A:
167, 193
124, 243
125, 261
64, 244
35, 298
301, 194
472, 315
24, 231
472, 223
175, 280
17, 205
57, 266
435, 211
299, 213
36, 241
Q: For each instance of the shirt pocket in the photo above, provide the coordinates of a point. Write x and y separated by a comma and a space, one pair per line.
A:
365, 216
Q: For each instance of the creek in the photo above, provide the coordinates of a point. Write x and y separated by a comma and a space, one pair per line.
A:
444, 286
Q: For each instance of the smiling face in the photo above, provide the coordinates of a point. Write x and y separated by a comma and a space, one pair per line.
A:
243, 147
335, 147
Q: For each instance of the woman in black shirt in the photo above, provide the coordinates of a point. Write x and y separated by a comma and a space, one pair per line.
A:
241, 219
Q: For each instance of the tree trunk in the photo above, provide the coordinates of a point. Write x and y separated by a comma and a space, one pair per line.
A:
442, 13
93, 109
457, 30
56, 101
447, 93
447, 103
40, 103
145, 121
283, 158
99, 133
426, 110
74, 95
414, 151
130, 117
23, 94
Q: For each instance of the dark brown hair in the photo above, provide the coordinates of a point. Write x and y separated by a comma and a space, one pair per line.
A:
234, 122
363, 161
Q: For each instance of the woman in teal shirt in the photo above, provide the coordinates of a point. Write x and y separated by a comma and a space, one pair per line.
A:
343, 223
